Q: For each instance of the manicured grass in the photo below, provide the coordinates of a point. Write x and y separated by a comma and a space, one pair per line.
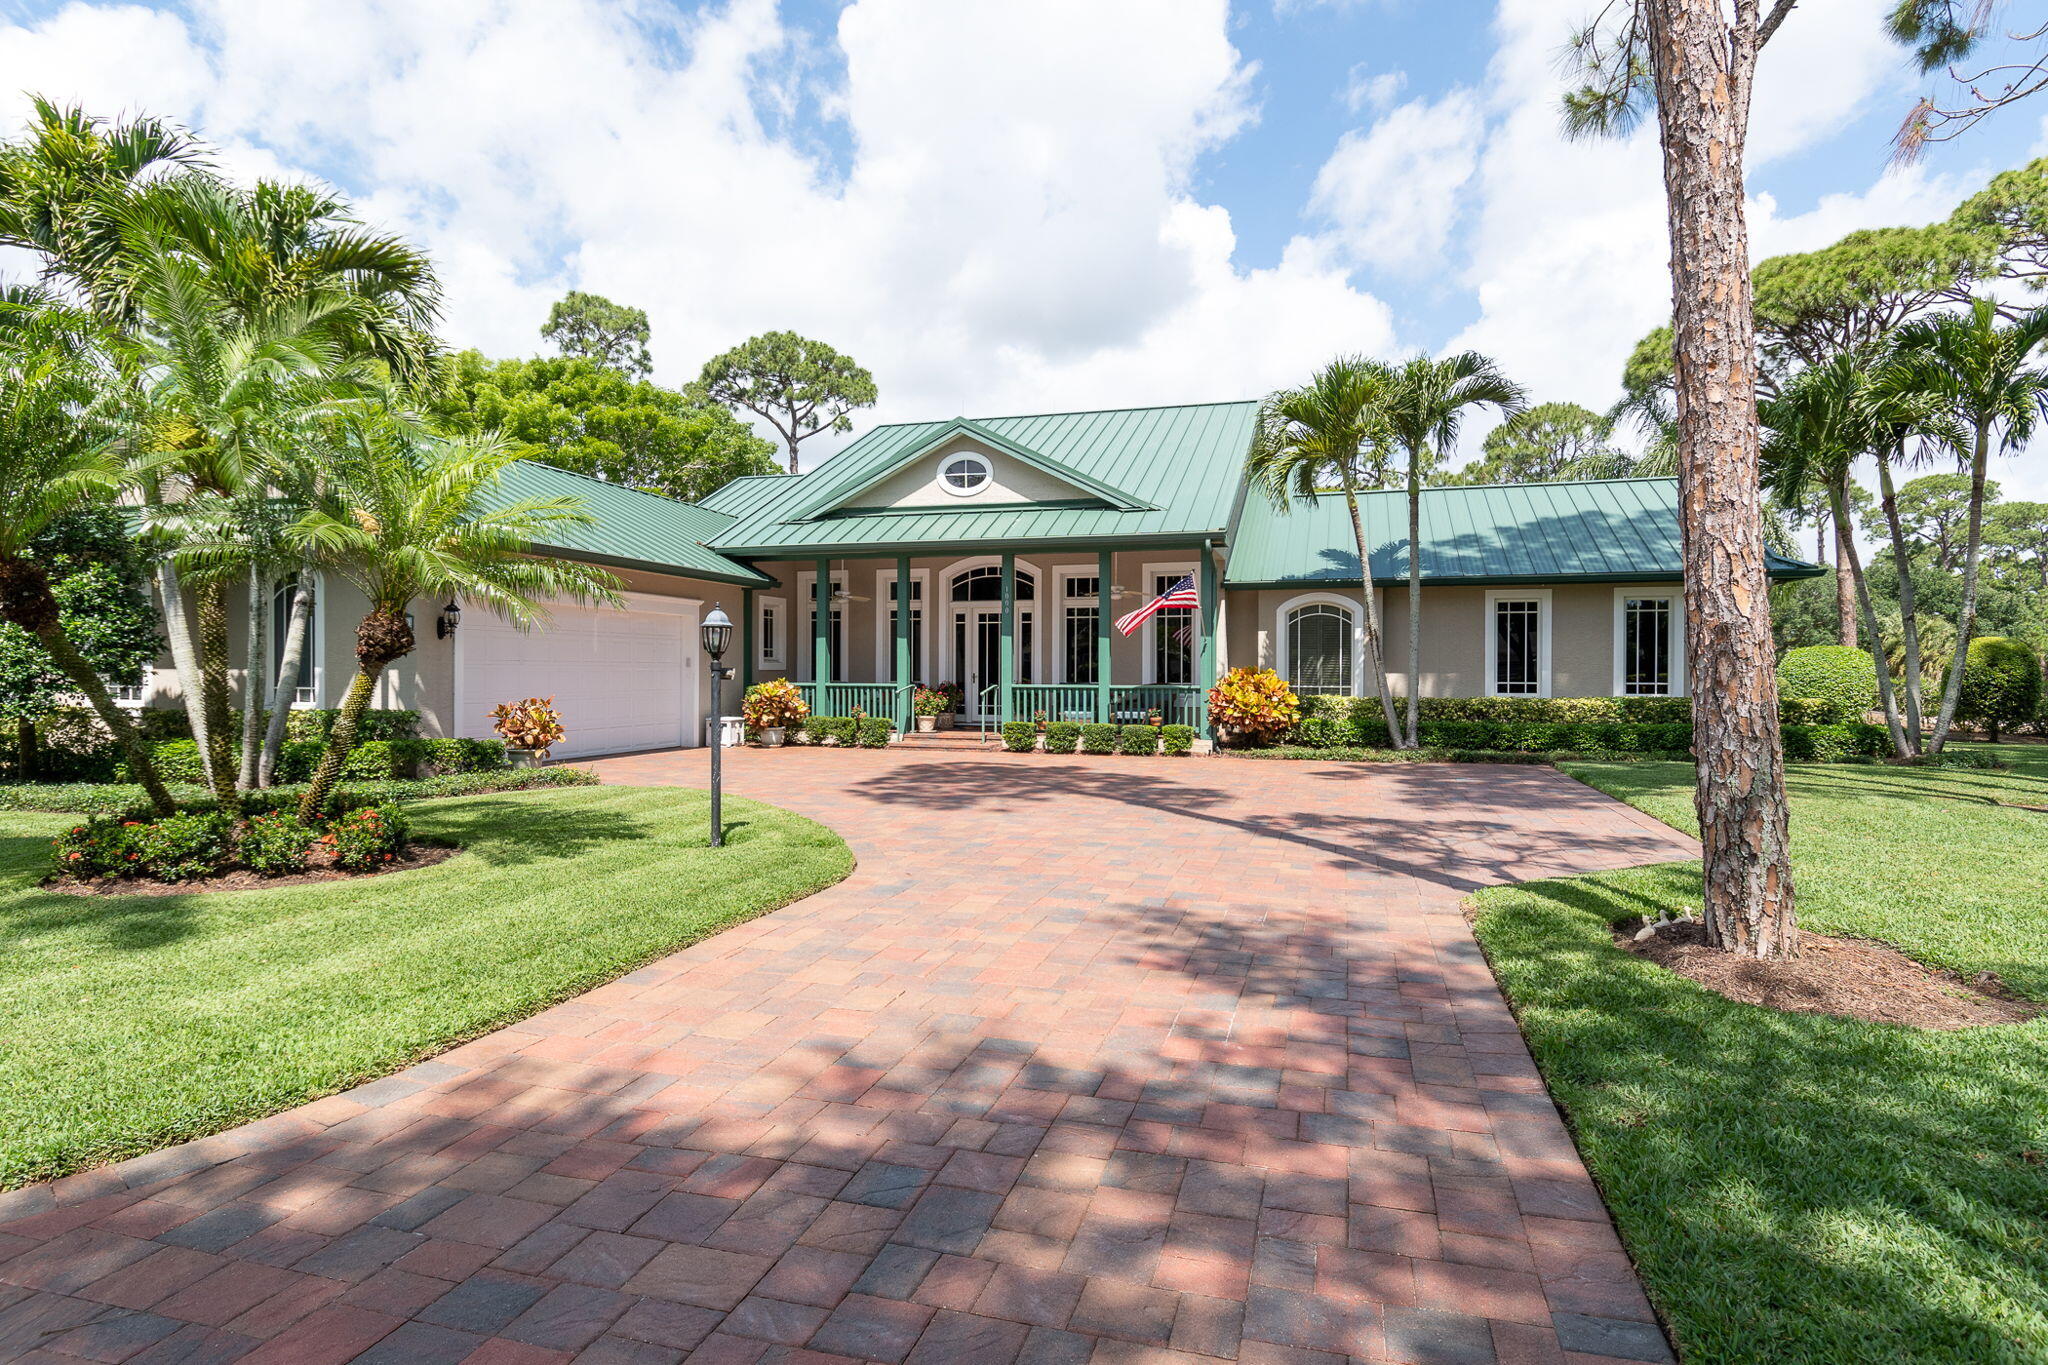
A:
128, 1023
1798, 1188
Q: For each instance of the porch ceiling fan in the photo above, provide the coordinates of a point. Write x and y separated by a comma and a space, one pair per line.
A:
842, 595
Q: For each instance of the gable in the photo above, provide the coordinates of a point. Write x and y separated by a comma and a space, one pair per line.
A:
1009, 481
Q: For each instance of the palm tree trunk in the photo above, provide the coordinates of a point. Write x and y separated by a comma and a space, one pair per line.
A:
255, 681
1909, 625
1703, 67
1966, 620
213, 682
1412, 738
1846, 586
185, 659
1375, 649
340, 740
1853, 567
282, 691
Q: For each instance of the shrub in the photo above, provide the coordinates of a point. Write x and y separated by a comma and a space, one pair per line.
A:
464, 755
385, 758
1020, 736
98, 848
179, 848
1831, 673
1138, 739
316, 723
1178, 740
2001, 683
177, 760
1062, 736
1836, 743
838, 728
275, 845
366, 839
773, 705
1255, 703
1098, 739
532, 723
873, 732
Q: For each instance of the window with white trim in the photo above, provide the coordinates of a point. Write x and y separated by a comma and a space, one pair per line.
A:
836, 628
1319, 659
964, 474
132, 694
305, 688
1080, 610
1649, 662
1173, 636
1518, 646
771, 616
888, 643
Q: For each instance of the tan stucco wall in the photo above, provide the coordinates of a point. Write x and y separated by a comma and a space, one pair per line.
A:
916, 484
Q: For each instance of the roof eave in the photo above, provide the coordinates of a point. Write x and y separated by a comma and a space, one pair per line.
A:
747, 579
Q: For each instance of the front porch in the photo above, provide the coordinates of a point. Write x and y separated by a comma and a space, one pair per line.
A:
1016, 636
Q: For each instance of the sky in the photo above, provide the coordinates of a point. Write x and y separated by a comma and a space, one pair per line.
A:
1004, 206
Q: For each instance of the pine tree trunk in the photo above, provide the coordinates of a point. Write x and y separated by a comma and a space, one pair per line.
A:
213, 682
1966, 620
284, 687
255, 682
1845, 584
1909, 624
1412, 739
1703, 68
185, 659
1375, 648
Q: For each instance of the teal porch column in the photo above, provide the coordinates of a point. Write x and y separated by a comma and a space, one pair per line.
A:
1207, 673
1008, 657
1104, 578
746, 640
821, 635
903, 723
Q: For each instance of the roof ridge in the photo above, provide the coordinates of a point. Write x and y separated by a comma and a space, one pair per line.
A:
1537, 483
626, 487
1067, 412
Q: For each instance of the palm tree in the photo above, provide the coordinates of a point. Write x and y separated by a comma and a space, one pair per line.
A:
1975, 372
1331, 432
1821, 421
1426, 405
58, 446
404, 516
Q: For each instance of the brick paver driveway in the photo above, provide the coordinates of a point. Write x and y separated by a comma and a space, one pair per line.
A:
1089, 1060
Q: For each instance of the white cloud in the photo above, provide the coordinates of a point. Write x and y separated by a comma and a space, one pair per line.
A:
1392, 192
1006, 234
1365, 90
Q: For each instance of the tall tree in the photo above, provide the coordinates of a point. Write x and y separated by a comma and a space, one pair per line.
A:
592, 327
58, 444
1545, 443
576, 414
2016, 542
1980, 372
1934, 514
404, 515
1695, 60
798, 386
1332, 432
1425, 408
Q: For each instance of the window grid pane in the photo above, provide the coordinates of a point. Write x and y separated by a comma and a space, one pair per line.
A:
1319, 650
1516, 648
1646, 647
1080, 654
1173, 637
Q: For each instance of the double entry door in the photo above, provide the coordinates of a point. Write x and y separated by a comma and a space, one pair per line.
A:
978, 652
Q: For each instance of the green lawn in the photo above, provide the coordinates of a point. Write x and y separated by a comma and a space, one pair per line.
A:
128, 1023
1798, 1188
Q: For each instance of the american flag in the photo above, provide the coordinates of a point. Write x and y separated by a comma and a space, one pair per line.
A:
1181, 594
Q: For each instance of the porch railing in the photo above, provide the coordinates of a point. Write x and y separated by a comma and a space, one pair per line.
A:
1177, 703
874, 699
1073, 702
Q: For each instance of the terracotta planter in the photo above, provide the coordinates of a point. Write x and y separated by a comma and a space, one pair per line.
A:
771, 737
927, 724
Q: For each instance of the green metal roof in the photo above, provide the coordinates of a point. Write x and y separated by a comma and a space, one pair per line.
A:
1181, 466
1615, 530
632, 529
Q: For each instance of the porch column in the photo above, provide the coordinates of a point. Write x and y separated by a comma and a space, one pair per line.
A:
903, 723
1007, 658
1104, 577
821, 635
746, 640
1207, 673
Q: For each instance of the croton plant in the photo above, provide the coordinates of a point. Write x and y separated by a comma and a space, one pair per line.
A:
529, 724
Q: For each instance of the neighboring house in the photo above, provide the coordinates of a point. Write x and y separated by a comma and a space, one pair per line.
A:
1021, 540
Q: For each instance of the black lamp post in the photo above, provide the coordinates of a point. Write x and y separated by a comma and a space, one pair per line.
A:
716, 633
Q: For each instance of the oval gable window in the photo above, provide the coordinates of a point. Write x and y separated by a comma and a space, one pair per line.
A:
964, 474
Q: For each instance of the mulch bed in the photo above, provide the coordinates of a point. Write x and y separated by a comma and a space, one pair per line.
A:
1853, 977
420, 855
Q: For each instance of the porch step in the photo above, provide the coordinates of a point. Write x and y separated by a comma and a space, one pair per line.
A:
946, 739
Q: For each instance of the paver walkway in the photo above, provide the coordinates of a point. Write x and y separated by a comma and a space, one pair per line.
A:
1130, 1060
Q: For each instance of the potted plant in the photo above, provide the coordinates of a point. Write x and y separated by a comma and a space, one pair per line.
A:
929, 704
771, 708
1154, 717
529, 728
955, 695
1038, 719
1253, 706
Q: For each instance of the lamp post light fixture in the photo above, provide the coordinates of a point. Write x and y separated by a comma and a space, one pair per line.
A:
448, 620
716, 634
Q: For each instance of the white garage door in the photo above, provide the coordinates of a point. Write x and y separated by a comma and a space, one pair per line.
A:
623, 680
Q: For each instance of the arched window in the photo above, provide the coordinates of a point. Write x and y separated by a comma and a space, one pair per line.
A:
985, 584
1319, 659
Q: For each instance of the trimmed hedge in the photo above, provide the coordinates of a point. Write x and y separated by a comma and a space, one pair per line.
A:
1138, 739
127, 801
1840, 674
1177, 740
1020, 736
1098, 738
2001, 684
873, 732
845, 731
1062, 736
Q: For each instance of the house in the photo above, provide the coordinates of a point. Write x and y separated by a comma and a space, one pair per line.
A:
997, 553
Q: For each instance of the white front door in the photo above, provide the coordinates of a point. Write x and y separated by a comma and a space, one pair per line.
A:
978, 646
